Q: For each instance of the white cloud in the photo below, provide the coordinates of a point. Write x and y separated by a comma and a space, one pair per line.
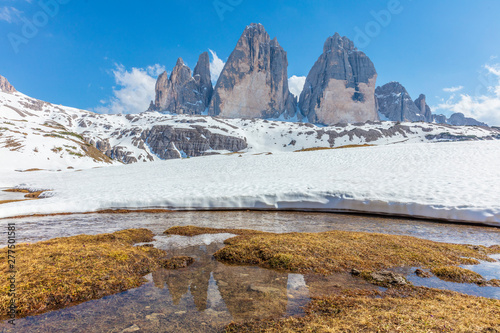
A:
216, 66
135, 90
453, 89
9, 14
296, 84
485, 104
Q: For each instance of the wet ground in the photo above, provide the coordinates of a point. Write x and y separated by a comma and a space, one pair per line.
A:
207, 295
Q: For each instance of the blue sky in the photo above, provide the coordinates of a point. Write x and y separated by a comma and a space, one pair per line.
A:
84, 54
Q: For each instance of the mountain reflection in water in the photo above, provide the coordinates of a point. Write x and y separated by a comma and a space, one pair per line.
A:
202, 297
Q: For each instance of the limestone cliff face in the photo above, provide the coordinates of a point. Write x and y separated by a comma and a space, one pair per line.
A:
395, 103
5, 86
254, 81
425, 110
340, 86
183, 93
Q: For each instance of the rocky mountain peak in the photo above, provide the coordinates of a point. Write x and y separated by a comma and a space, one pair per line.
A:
396, 104
425, 110
254, 81
340, 86
338, 43
183, 93
5, 86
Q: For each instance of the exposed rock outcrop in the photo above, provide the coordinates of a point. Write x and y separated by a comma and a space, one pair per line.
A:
5, 86
395, 103
425, 110
340, 86
254, 81
182, 93
168, 142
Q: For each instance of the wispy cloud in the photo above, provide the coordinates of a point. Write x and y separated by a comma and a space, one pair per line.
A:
485, 104
134, 91
296, 84
216, 66
10, 14
453, 89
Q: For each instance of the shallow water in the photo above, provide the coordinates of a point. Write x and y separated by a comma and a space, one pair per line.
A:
201, 298
208, 295
42, 228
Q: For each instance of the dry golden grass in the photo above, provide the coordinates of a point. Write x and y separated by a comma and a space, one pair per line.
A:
64, 271
330, 148
9, 201
336, 251
194, 231
408, 309
16, 190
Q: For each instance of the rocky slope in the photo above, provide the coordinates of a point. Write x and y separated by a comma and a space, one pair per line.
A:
341, 85
182, 93
254, 81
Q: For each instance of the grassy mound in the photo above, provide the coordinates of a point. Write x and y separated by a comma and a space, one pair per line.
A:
407, 309
60, 272
337, 251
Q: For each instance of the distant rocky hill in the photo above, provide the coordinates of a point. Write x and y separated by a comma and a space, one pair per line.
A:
395, 104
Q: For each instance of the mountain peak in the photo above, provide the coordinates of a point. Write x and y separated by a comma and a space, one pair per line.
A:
5, 86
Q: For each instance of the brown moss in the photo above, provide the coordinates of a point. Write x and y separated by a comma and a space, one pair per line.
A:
336, 251
406, 309
64, 271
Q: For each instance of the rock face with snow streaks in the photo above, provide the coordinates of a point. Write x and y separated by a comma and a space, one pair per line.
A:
395, 103
340, 86
254, 81
182, 93
168, 142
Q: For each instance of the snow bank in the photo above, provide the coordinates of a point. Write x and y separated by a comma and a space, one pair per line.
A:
451, 181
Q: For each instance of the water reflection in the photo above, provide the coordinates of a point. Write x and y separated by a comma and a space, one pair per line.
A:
203, 297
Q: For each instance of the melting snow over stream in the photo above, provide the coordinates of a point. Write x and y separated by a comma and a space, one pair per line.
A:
456, 181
